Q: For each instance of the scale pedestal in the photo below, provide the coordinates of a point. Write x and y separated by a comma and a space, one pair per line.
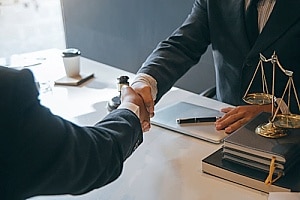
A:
269, 130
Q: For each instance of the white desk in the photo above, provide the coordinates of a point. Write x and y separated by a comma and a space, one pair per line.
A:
167, 166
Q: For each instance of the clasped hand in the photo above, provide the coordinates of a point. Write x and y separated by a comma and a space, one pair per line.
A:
129, 95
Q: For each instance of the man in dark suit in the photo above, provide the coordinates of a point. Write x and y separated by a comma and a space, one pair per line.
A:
41, 153
222, 24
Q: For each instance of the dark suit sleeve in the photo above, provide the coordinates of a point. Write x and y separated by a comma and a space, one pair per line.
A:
45, 154
174, 56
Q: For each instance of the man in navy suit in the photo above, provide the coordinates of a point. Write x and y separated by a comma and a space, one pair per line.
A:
222, 24
41, 153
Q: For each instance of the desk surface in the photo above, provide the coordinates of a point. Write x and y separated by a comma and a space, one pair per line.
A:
166, 166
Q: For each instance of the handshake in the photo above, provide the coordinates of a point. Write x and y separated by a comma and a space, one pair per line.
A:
137, 98
130, 95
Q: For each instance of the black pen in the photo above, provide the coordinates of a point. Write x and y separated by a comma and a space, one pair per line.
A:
196, 120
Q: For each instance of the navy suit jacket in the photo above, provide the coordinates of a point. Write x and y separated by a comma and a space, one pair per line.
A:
221, 24
41, 153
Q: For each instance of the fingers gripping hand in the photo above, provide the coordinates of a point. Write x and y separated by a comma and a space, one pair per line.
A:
129, 95
144, 91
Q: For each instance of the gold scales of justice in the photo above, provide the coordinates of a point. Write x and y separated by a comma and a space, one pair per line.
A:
278, 123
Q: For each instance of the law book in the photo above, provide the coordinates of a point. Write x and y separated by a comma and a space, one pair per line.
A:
250, 145
231, 154
262, 164
215, 165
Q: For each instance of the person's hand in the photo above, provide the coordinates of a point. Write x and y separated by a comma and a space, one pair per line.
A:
144, 91
129, 95
236, 117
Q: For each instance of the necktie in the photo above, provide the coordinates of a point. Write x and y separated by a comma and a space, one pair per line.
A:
251, 21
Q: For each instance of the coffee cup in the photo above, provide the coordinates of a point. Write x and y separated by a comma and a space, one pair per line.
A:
71, 60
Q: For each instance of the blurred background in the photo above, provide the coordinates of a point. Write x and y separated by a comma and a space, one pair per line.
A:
120, 33
27, 24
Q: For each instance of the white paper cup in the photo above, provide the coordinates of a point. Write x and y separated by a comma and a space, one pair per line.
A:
71, 59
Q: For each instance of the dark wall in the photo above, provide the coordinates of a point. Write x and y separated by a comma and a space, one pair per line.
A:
122, 33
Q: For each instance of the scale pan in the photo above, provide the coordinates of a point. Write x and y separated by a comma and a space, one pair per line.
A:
287, 121
258, 98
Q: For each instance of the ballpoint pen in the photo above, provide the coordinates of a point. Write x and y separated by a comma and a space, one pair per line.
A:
196, 120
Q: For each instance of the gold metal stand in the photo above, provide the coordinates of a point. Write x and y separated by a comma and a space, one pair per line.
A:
278, 124
269, 130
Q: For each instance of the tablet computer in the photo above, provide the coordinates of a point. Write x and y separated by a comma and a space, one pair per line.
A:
167, 117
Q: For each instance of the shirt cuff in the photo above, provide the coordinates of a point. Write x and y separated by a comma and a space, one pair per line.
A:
130, 106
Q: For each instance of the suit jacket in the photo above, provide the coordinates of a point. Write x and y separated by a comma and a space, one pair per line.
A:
221, 24
41, 153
